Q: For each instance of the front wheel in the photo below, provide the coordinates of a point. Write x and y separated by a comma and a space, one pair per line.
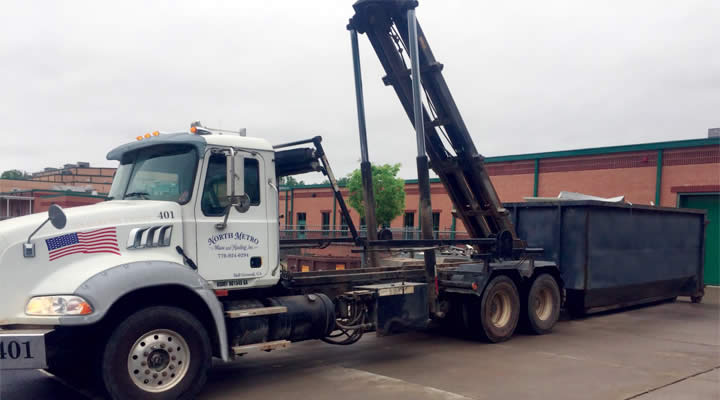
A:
542, 308
157, 353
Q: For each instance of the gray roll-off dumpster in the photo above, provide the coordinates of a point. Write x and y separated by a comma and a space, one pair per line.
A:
615, 255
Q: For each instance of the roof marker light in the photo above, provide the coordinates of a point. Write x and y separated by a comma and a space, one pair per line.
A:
147, 136
156, 133
198, 129
139, 138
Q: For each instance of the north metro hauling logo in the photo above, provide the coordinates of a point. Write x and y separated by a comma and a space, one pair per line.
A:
212, 240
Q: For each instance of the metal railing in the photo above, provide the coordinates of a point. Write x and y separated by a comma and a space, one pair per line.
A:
330, 232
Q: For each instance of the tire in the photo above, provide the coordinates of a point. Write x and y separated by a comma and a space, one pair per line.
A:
575, 303
696, 299
82, 370
542, 305
499, 311
73, 356
172, 336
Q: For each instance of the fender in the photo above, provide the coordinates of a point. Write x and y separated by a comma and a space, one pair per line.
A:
105, 288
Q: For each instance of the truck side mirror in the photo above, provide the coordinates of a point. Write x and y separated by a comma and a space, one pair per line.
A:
235, 186
236, 182
57, 218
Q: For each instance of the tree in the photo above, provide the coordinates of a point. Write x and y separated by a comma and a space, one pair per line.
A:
290, 181
389, 192
340, 181
14, 174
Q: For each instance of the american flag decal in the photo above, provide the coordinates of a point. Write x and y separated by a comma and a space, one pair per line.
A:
97, 241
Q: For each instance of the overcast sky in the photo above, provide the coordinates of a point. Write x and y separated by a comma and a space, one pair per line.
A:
80, 77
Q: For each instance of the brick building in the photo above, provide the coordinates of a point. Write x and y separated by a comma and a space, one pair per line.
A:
16, 204
80, 174
70, 186
682, 173
651, 173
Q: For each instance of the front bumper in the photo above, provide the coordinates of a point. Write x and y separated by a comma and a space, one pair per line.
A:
23, 348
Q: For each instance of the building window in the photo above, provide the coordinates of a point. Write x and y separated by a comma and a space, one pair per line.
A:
343, 225
408, 224
301, 222
409, 219
325, 223
436, 224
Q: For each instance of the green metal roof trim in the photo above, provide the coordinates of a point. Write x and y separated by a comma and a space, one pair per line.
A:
71, 195
308, 186
327, 185
677, 144
432, 180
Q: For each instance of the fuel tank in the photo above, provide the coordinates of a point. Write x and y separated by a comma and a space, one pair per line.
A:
310, 316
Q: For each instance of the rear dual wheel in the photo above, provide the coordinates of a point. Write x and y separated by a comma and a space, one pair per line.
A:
542, 308
496, 316
500, 308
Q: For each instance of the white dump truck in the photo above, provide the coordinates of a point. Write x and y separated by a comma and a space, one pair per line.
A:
141, 291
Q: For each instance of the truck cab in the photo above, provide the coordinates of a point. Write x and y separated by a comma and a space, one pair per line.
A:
188, 215
187, 174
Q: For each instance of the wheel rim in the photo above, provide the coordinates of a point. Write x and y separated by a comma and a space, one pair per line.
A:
543, 304
158, 360
500, 309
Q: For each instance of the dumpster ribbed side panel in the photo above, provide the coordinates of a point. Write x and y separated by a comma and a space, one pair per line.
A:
630, 247
617, 254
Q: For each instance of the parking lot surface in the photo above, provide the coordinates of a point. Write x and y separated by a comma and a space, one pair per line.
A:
662, 351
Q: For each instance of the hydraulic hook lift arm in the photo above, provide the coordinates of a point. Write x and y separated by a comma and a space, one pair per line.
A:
459, 166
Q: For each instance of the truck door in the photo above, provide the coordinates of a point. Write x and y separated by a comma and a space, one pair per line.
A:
238, 254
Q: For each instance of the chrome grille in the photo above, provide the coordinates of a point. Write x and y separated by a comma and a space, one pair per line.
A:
151, 236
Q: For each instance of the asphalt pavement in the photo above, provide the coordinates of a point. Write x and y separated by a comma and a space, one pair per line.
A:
661, 351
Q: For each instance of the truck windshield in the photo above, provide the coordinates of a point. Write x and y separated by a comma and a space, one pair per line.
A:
156, 173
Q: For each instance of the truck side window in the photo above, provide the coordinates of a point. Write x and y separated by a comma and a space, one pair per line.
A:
252, 180
214, 198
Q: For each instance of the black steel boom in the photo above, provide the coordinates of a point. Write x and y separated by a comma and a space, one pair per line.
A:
461, 168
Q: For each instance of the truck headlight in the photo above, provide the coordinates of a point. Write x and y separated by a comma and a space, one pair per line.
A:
58, 305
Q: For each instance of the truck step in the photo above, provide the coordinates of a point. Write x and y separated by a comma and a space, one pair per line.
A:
265, 346
254, 312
